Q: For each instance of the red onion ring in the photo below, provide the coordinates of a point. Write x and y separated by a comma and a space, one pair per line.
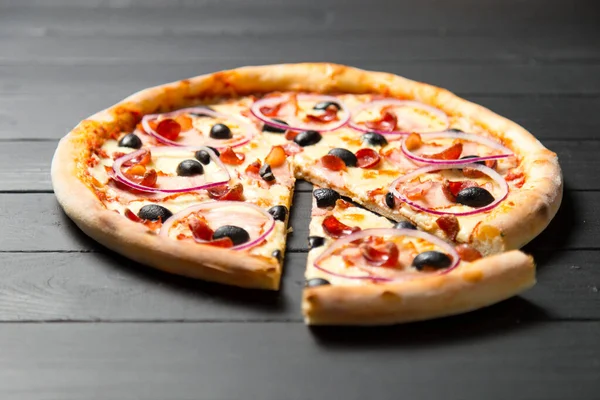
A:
423, 170
168, 224
506, 152
248, 129
120, 176
385, 232
298, 126
400, 103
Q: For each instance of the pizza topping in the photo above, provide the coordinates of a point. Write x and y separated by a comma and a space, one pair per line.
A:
164, 126
435, 197
336, 229
345, 155
130, 140
228, 156
398, 117
189, 168
276, 157
374, 139
417, 149
298, 111
405, 225
315, 241
389, 200
253, 170
273, 129
367, 158
154, 212
467, 253
333, 163
279, 212
291, 149
449, 225
266, 173
307, 138
203, 155
325, 197
226, 192
381, 255
236, 234
220, 131
278, 255
431, 260
314, 282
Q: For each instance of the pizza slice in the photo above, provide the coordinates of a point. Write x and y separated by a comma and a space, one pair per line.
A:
363, 269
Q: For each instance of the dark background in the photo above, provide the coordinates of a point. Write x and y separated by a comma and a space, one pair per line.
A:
77, 321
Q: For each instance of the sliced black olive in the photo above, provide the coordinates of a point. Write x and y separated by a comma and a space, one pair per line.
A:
389, 200
274, 129
153, 212
324, 105
347, 156
220, 131
374, 139
277, 255
307, 138
235, 233
476, 162
214, 151
474, 196
266, 173
314, 282
202, 156
130, 140
189, 168
315, 241
326, 197
455, 130
431, 259
278, 212
405, 225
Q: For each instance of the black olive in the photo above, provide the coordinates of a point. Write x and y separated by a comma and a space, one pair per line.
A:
202, 156
389, 200
347, 156
307, 138
374, 139
220, 131
274, 129
277, 255
405, 225
315, 241
455, 130
326, 197
324, 105
476, 162
235, 233
314, 282
266, 173
431, 259
153, 212
189, 168
474, 196
278, 212
214, 151
130, 140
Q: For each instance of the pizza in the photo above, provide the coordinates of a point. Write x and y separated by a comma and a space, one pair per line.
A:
422, 202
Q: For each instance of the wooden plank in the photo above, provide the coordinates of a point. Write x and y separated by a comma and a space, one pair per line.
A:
483, 359
114, 82
108, 287
47, 116
35, 222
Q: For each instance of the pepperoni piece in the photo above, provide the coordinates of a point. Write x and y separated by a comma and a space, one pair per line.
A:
132, 216
413, 141
276, 157
367, 158
253, 169
334, 228
453, 187
451, 153
448, 224
330, 114
385, 255
228, 156
271, 111
234, 193
149, 224
467, 253
291, 135
386, 123
168, 128
333, 163
149, 179
200, 229
225, 242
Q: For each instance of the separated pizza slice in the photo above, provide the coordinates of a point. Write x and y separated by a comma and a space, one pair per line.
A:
363, 269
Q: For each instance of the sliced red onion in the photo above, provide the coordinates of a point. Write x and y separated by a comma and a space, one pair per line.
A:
505, 151
168, 224
346, 240
193, 182
294, 123
248, 129
399, 103
496, 177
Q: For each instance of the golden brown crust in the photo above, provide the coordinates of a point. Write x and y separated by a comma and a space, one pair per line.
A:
466, 288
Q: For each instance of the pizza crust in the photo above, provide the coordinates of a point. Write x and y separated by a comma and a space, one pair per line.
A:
466, 288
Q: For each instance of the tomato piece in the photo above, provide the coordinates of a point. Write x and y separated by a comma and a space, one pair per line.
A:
386, 123
168, 128
451, 153
334, 228
234, 193
413, 141
330, 114
184, 121
222, 242
467, 253
276, 157
367, 158
291, 135
149, 179
253, 169
333, 163
291, 149
385, 255
200, 229
228, 156
271, 111
449, 225
131, 215
456, 186
137, 169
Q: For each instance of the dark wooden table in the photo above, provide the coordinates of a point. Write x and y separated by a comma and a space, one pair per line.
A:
78, 321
